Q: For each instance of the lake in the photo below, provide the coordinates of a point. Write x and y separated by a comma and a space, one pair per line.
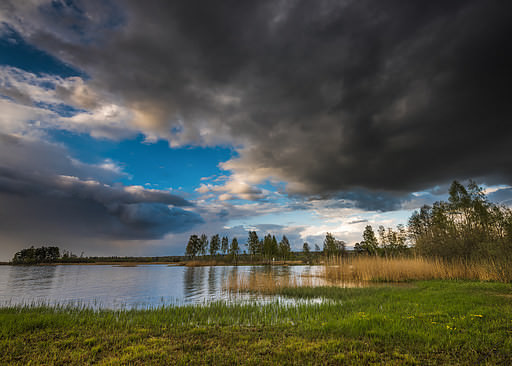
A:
141, 286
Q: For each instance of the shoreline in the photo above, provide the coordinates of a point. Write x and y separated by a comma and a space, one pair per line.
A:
190, 263
374, 325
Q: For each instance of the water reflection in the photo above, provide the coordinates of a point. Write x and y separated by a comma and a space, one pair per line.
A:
104, 286
193, 282
25, 278
212, 281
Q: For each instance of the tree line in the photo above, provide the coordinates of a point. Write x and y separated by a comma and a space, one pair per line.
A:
390, 243
467, 226
44, 254
267, 248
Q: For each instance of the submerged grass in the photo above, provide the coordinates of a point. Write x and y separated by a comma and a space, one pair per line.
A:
430, 322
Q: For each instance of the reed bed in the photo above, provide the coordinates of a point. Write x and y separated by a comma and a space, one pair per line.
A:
379, 269
267, 283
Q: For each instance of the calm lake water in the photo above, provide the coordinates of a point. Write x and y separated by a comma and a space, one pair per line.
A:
142, 286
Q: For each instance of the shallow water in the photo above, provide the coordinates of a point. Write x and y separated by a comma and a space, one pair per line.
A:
141, 286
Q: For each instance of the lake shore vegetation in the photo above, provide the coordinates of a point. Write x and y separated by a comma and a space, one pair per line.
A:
430, 322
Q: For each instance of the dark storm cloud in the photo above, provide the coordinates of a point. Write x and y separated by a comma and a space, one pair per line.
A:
368, 200
384, 96
45, 195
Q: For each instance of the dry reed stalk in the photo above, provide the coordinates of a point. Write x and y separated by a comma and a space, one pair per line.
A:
262, 282
416, 268
202, 263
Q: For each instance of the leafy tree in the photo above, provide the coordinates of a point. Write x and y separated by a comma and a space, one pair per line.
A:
203, 244
270, 247
253, 243
284, 248
234, 250
225, 245
193, 246
267, 246
274, 247
370, 244
306, 251
393, 242
467, 226
333, 246
214, 244
37, 255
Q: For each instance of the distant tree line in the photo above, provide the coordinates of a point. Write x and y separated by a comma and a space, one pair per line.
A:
391, 242
37, 255
467, 226
266, 248
47, 254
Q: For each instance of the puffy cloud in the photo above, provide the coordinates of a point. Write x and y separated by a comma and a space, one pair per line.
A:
234, 188
37, 102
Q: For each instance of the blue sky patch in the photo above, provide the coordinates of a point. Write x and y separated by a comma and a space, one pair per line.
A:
14, 51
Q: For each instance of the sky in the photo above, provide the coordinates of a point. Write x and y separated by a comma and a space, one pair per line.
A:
126, 126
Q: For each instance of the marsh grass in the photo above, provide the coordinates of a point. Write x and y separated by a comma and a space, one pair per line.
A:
432, 322
267, 283
270, 283
379, 269
364, 271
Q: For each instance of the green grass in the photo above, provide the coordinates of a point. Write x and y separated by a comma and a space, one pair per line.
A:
432, 322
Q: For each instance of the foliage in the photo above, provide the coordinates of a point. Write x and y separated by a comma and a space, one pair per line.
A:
284, 248
467, 226
332, 246
307, 252
37, 255
203, 244
370, 244
392, 242
193, 246
254, 243
270, 247
234, 249
225, 245
214, 244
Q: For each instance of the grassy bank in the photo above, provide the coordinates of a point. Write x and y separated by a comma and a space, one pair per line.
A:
432, 322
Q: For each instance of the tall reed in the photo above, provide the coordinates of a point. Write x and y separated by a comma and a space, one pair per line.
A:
365, 268
262, 282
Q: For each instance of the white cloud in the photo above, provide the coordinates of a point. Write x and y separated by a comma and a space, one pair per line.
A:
45, 101
234, 188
